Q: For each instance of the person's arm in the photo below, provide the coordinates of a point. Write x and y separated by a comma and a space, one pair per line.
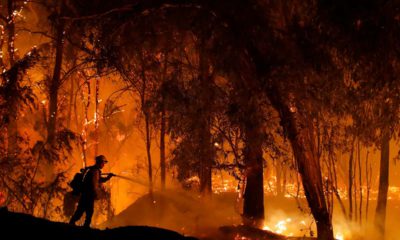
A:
105, 179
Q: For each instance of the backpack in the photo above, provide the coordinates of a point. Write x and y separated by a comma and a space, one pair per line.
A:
77, 182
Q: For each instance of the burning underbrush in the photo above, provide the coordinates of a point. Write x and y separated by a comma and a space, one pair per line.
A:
180, 211
216, 217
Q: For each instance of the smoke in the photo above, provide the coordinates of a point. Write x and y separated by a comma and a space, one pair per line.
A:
182, 211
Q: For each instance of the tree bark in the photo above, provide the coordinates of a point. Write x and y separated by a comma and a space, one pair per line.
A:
350, 187
148, 147
278, 169
71, 103
162, 145
253, 205
11, 85
146, 113
55, 81
305, 152
163, 121
96, 117
380, 213
206, 157
368, 175
360, 181
206, 148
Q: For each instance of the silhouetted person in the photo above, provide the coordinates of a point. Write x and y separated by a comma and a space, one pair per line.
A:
90, 191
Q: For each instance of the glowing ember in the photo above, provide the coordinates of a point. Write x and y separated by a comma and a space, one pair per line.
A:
290, 227
280, 227
239, 237
339, 236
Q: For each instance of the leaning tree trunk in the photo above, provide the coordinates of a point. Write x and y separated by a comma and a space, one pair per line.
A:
305, 152
55, 82
380, 213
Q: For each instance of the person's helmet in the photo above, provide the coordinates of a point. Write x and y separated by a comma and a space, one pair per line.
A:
101, 159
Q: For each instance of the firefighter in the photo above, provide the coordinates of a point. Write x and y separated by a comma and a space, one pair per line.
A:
91, 191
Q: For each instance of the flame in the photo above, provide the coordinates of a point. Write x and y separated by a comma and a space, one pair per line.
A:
339, 236
280, 227
240, 237
288, 226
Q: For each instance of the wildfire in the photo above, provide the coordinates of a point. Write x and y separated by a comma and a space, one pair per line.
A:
225, 183
339, 236
240, 237
280, 227
288, 226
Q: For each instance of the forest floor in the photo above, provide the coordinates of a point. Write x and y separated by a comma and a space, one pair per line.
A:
218, 218
147, 218
214, 218
186, 214
24, 226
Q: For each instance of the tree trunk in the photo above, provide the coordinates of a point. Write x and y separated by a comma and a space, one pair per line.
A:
350, 187
278, 169
305, 152
55, 81
146, 113
11, 85
206, 157
148, 147
71, 103
312, 182
163, 121
253, 206
84, 132
355, 189
11, 32
206, 148
380, 213
162, 146
96, 117
368, 173
360, 181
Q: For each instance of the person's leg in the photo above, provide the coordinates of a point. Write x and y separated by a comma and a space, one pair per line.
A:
89, 212
78, 212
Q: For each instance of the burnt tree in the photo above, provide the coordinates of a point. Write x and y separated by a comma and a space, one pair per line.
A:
300, 132
55, 81
380, 213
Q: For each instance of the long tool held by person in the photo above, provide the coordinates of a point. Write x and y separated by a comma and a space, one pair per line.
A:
126, 178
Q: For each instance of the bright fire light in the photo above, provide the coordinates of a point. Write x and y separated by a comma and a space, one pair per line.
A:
284, 227
280, 227
339, 236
